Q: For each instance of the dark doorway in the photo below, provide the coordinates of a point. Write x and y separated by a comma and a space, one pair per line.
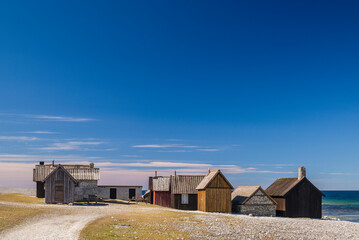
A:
59, 191
132, 193
113, 193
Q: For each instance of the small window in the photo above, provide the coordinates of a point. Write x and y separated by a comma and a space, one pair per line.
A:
184, 199
201, 196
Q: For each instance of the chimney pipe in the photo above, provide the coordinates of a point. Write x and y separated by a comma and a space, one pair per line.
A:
53, 163
301, 172
209, 170
155, 173
175, 173
92, 165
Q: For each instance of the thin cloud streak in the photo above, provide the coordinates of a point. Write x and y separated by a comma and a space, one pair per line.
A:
18, 138
74, 145
43, 132
62, 119
163, 146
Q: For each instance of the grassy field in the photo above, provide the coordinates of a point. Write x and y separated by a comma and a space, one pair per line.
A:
11, 216
20, 198
137, 225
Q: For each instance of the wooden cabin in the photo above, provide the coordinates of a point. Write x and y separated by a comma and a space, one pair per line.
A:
161, 191
296, 196
183, 191
214, 193
119, 192
59, 186
86, 177
253, 200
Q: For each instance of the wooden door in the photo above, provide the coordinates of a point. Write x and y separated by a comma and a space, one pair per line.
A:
59, 191
131, 193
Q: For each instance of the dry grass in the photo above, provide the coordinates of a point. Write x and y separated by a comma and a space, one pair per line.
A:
20, 198
138, 225
11, 216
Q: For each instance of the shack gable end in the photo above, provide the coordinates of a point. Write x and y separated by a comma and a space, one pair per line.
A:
219, 182
304, 200
59, 187
259, 198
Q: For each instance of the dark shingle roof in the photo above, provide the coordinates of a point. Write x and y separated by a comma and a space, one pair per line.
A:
281, 186
181, 184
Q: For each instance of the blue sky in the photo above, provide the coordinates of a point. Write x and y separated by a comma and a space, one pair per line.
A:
255, 88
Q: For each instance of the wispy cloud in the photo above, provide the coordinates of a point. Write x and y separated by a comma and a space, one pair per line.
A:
18, 138
62, 118
155, 164
164, 146
43, 132
49, 117
180, 150
37, 158
131, 156
339, 173
74, 145
209, 150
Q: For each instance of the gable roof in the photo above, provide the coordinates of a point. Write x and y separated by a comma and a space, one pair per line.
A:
282, 186
210, 176
243, 193
79, 172
182, 184
60, 167
161, 184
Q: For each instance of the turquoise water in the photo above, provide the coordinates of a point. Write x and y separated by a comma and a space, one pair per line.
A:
343, 205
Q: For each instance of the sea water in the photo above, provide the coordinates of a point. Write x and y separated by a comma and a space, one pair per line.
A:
343, 205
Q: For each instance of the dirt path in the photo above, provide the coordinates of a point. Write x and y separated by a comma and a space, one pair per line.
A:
59, 227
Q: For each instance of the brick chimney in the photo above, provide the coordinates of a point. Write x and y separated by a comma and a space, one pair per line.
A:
301, 172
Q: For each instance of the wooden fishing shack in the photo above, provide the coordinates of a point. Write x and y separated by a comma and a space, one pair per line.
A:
161, 191
296, 196
183, 191
253, 200
59, 186
214, 193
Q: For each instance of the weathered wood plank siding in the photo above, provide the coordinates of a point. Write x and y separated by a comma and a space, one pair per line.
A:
214, 193
176, 202
68, 187
162, 198
218, 200
201, 200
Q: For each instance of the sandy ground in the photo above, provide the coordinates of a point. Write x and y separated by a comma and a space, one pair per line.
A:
66, 222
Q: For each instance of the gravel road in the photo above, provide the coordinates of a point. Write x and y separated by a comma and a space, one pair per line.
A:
66, 227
